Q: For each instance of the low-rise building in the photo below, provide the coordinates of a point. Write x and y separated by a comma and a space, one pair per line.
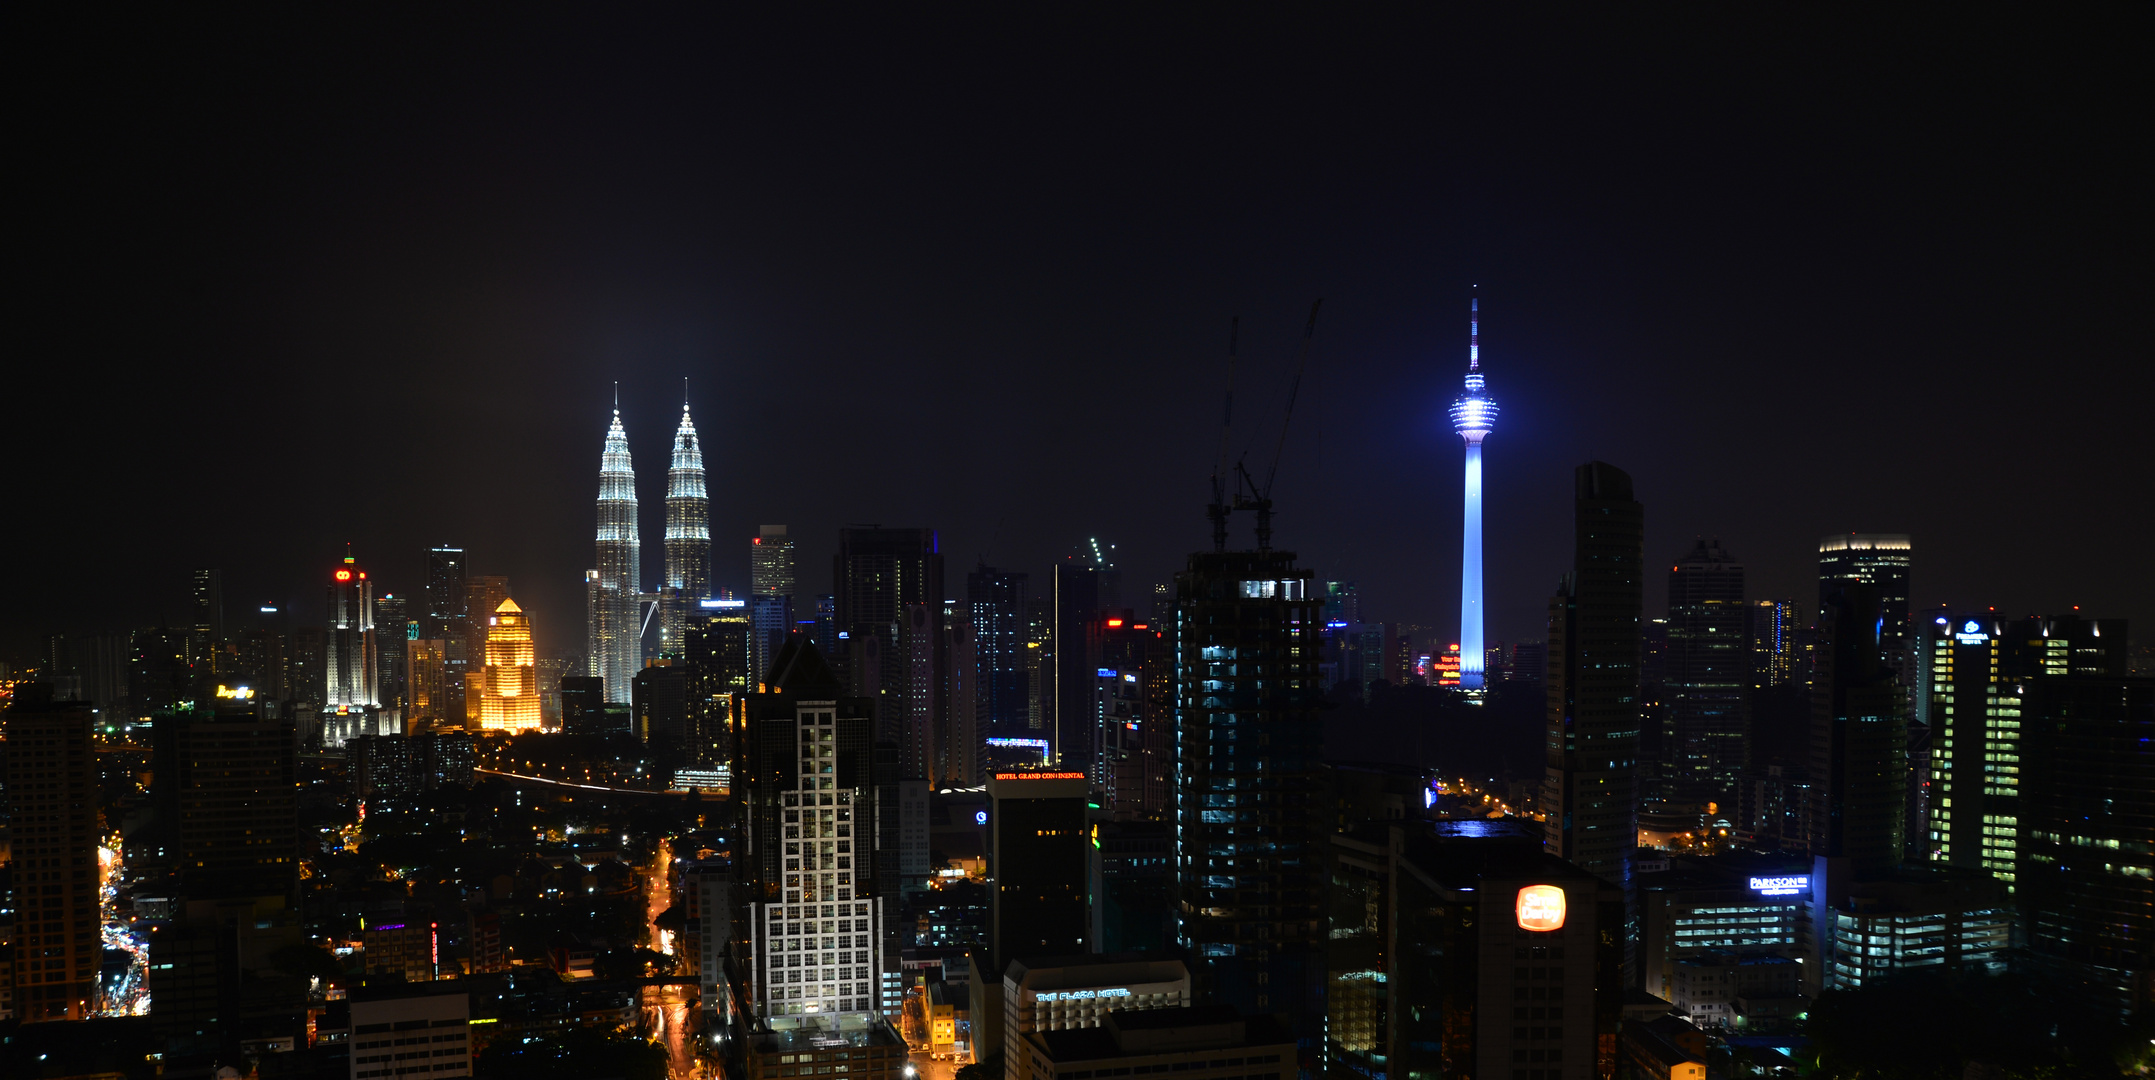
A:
1959, 920
1665, 1048
1207, 1042
1693, 906
1714, 989
410, 1035
1072, 992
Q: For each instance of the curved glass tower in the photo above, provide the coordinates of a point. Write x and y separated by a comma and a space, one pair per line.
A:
1474, 415
616, 639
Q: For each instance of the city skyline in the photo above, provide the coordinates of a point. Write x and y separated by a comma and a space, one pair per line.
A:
1887, 311
1762, 705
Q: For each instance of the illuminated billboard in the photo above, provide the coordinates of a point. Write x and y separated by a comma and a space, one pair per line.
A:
1781, 886
1541, 907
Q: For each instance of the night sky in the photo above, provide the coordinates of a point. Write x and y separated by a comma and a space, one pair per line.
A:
284, 285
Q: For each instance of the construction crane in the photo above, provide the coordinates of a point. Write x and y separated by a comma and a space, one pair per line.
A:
1249, 494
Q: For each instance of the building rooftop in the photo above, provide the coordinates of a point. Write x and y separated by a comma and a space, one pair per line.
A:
1145, 1032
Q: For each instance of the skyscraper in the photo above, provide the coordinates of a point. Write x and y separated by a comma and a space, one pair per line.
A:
2089, 800
805, 780
1474, 415
226, 800
1082, 591
208, 630
1249, 838
511, 703
716, 650
616, 635
444, 615
878, 573
770, 595
1708, 667
995, 600
52, 790
1773, 643
688, 539
1979, 670
1880, 560
1037, 859
1859, 735
392, 628
352, 665
1593, 691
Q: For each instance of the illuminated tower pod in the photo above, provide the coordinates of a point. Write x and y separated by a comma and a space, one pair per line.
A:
616, 638
1474, 415
688, 538
511, 703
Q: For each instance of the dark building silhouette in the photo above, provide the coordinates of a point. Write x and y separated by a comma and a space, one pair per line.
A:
1132, 893
1708, 669
718, 646
583, 701
207, 633
2088, 796
1081, 592
1593, 690
1859, 737
1037, 858
226, 800
877, 574
1880, 560
659, 698
1248, 823
770, 594
1462, 949
941, 737
51, 773
444, 600
995, 602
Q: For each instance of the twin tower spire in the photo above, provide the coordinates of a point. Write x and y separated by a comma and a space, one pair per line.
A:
622, 634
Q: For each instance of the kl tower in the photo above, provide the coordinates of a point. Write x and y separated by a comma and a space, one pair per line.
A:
1473, 416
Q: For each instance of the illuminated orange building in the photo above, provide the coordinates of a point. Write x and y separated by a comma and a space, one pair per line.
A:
511, 701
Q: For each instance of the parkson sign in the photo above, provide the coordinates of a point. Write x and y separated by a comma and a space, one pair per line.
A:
1781, 886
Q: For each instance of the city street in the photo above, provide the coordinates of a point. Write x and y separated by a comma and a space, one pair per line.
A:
931, 1069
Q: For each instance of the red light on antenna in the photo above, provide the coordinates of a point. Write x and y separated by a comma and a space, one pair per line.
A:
344, 575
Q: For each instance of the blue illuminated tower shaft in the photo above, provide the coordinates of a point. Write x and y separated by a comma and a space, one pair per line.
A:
1470, 575
1474, 415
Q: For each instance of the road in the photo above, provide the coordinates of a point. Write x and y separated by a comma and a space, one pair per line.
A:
669, 1012
931, 1069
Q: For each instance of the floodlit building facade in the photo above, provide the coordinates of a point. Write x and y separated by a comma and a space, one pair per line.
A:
511, 704
688, 540
616, 645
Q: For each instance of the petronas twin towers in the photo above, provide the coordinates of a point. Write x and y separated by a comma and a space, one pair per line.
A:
621, 612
